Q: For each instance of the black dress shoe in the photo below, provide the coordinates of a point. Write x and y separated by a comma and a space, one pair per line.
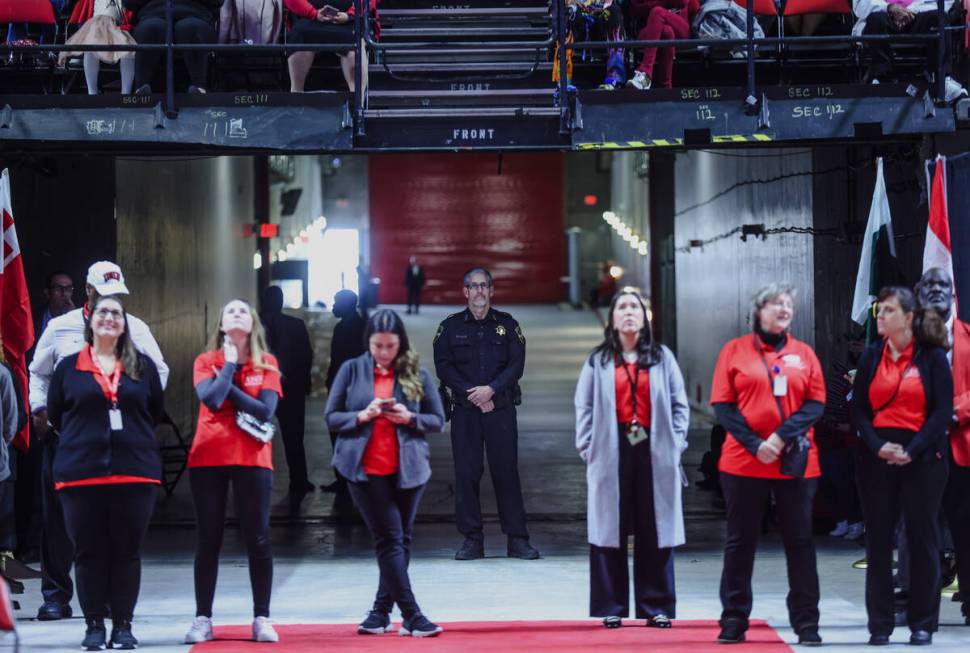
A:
878, 640
659, 621
54, 611
471, 550
809, 637
519, 547
921, 638
612, 622
732, 632
302, 488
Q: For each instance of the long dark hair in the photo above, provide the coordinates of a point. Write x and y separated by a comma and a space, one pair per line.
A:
928, 326
125, 347
406, 362
648, 351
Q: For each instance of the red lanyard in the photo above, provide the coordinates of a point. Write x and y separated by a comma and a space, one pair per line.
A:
109, 384
634, 379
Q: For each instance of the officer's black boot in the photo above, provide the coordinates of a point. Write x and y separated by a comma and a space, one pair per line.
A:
519, 547
472, 549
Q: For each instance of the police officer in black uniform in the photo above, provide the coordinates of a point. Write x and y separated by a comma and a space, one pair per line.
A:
479, 356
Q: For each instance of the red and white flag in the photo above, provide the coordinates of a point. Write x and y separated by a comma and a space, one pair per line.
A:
937, 252
16, 321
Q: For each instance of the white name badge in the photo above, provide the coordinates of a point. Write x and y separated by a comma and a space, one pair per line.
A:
114, 418
780, 388
636, 435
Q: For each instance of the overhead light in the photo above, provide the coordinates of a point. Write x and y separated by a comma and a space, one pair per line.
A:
257, 261
642, 250
616, 271
281, 255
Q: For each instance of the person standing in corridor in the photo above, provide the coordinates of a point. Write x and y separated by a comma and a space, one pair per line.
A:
479, 357
414, 282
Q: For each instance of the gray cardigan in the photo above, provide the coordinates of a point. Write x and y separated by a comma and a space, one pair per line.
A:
352, 391
597, 439
9, 417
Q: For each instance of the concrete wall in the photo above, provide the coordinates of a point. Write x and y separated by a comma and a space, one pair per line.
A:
180, 245
717, 191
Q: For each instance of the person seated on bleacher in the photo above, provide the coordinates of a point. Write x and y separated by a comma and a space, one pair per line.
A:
194, 22
665, 19
596, 20
102, 25
899, 17
19, 34
323, 22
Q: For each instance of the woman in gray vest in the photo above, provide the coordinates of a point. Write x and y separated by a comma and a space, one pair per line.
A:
631, 429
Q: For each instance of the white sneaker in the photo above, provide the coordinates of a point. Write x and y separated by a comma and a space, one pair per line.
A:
840, 529
263, 630
640, 81
953, 90
855, 531
200, 631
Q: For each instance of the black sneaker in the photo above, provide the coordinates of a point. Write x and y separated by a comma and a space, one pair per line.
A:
95, 636
877, 639
471, 550
732, 632
419, 626
121, 636
519, 547
376, 623
54, 611
809, 637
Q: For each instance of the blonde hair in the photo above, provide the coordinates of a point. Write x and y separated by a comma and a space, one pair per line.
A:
257, 338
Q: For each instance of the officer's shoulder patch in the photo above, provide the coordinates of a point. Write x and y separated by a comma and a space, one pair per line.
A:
518, 333
441, 328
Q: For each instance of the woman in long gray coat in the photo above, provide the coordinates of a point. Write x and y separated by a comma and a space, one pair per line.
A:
631, 429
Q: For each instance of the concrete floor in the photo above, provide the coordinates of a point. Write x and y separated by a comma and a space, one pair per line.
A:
325, 573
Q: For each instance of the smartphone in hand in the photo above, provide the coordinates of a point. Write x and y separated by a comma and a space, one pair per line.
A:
329, 12
387, 405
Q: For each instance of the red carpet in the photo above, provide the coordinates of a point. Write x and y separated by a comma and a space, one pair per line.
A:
502, 637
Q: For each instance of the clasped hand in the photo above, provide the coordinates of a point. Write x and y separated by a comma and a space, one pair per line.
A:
230, 352
771, 449
900, 15
396, 414
481, 396
894, 454
328, 14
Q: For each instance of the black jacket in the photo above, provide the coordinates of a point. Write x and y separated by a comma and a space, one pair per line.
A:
87, 447
937, 378
289, 341
207, 10
347, 343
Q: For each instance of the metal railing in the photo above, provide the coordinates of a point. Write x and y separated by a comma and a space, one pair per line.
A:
364, 41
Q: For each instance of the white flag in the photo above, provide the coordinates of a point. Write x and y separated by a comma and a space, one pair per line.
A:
865, 290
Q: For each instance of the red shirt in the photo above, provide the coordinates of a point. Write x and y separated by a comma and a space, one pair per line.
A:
218, 441
740, 378
381, 455
85, 363
624, 394
960, 360
908, 410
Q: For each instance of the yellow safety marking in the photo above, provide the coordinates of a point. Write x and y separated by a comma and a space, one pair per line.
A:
672, 142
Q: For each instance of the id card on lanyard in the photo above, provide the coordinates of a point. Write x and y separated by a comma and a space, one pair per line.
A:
637, 433
110, 384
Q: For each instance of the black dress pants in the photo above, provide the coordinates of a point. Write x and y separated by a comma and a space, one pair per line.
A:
189, 29
107, 524
56, 549
251, 488
653, 567
745, 498
414, 299
917, 489
475, 434
389, 513
291, 413
8, 496
956, 505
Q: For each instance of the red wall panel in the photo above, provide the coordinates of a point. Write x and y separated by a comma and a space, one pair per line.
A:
455, 211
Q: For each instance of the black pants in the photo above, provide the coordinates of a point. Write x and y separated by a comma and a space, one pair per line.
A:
8, 496
27, 497
838, 483
190, 29
473, 435
745, 498
56, 549
251, 489
956, 505
291, 413
653, 567
917, 489
107, 524
414, 299
882, 56
389, 513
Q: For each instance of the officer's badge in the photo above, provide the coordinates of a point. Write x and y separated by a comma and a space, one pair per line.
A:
500, 330
441, 328
518, 332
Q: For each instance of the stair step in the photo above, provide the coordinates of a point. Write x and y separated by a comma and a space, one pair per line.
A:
461, 5
456, 33
498, 57
482, 98
479, 112
460, 12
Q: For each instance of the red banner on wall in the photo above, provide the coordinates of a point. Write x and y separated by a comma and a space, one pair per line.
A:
457, 211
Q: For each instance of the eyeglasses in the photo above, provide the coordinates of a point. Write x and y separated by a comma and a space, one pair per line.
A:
478, 286
108, 312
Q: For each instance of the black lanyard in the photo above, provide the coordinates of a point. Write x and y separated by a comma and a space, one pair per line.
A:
633, 387
899, 385
771, 379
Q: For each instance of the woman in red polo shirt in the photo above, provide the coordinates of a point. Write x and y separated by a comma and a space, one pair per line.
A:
381, 406
902, 404
104, 402
631, 429
768, 391
236, 375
